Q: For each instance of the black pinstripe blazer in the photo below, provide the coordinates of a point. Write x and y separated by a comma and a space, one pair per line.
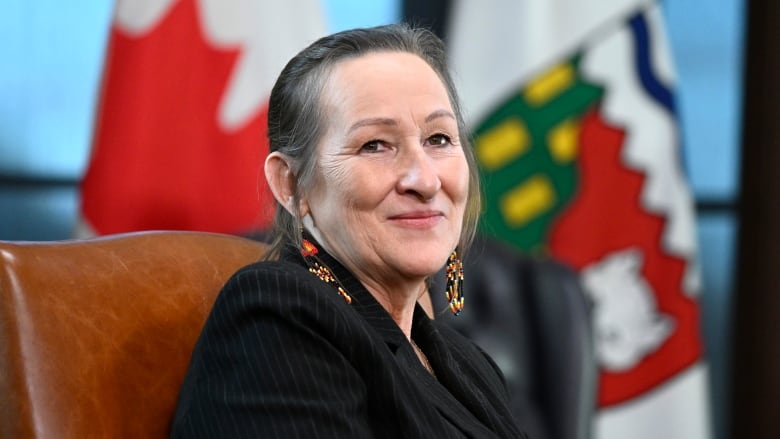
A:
282, 355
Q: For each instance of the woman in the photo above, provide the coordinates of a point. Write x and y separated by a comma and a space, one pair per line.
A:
376, 190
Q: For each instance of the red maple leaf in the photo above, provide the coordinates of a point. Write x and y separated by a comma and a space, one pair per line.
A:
160, 160
606, 216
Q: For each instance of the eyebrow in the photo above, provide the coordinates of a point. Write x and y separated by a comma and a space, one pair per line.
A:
372, 121
392, 122
439, 113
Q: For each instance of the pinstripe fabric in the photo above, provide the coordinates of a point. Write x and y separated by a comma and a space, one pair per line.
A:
282, 355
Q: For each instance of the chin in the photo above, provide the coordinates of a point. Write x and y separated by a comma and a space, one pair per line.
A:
425, 266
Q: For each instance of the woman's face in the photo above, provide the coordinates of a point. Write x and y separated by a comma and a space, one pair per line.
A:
392, 180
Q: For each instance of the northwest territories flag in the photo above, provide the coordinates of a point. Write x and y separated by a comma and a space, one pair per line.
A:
573, 116
180, 134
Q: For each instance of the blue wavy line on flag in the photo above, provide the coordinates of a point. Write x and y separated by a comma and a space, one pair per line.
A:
654, 87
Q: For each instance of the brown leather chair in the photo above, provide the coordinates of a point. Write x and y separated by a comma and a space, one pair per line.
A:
96, 335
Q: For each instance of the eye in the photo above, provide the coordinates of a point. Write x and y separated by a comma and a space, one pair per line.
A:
373, 146
438, 140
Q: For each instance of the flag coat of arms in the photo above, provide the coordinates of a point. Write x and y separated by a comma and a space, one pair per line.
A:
180, 134
573, 118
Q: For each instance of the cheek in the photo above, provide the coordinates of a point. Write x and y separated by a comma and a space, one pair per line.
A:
355, 188
456, 177
332, 172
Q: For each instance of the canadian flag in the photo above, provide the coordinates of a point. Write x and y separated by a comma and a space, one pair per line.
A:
180, 134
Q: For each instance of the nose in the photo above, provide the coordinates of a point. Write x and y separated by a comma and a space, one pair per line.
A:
418, 173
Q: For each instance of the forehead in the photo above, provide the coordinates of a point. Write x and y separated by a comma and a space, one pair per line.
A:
377, 77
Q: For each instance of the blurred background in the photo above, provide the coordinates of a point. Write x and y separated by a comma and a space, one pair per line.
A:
52, 56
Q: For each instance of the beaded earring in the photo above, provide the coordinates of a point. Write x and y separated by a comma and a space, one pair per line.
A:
454, 293
309, 252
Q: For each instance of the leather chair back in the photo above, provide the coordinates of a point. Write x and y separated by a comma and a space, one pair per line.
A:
96, 335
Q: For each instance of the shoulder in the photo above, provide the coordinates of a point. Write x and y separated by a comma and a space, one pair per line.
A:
273, 333
267, 307
269, 274
277, 285
278, 299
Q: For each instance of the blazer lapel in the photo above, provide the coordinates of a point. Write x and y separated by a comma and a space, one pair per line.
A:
448, 404
477, 407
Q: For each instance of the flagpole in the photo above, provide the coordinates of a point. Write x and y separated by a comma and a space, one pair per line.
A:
756, 347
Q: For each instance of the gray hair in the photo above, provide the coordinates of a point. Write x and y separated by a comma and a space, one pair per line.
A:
296, 121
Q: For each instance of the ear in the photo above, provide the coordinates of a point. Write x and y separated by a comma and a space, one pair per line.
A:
282, 181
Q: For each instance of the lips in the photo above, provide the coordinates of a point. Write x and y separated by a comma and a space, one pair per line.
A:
418, 219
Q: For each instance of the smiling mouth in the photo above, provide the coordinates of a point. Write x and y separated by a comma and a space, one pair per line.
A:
418, 220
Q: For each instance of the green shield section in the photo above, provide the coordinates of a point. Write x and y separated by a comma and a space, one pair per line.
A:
527, 152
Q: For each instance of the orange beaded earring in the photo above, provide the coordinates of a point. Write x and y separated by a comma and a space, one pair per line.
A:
454, 291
